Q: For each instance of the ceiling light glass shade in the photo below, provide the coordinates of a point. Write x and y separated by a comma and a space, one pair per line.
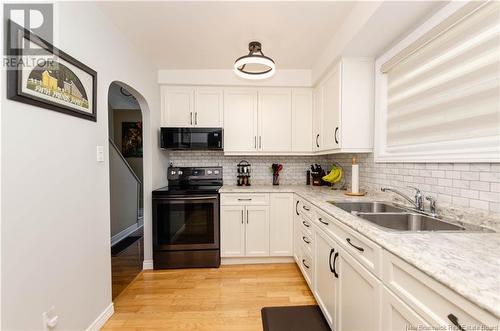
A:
254, 66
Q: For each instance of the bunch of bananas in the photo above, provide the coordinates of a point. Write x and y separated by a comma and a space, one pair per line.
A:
335, 175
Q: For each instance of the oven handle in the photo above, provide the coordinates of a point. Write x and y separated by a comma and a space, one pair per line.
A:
188, 198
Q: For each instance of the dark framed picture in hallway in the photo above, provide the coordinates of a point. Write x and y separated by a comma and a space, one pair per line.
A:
132, 139
44, 76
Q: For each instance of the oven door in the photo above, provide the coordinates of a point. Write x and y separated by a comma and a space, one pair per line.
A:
186, 222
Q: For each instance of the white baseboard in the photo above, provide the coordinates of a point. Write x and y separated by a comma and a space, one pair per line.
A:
256, 260
102, 318
125, 233
147, 265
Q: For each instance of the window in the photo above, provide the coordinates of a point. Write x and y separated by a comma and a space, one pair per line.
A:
438, 91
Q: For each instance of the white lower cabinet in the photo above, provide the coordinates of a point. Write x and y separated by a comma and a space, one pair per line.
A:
397, 316
232, 231
326, 283
244, 231
281, 227
359, 296
257, 231
256, 225
296, 229
358, 285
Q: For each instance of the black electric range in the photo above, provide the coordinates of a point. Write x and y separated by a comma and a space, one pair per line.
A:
186, 219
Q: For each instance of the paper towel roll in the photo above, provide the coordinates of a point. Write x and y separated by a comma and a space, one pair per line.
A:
355, 178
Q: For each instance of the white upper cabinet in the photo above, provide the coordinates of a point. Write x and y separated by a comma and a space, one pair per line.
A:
302, 109
209, 105
240, 120
177, 106
330, 122
358, 104
334, 117
316, 117
192, 106
275, 120
343, 108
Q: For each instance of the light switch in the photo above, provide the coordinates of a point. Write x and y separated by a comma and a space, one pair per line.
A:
100, 153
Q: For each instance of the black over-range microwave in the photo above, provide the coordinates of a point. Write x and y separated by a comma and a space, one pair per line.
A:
191, 138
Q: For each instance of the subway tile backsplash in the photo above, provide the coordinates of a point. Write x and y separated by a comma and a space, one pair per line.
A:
461, 185
474, 185
293, 173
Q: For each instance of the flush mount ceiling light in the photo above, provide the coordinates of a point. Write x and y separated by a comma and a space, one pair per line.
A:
254, 65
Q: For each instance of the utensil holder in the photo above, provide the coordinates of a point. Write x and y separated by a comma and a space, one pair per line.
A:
276, 179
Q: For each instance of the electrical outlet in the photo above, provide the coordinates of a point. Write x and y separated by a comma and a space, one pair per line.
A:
49, 319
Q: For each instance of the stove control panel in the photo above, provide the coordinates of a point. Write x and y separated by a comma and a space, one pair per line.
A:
194, 173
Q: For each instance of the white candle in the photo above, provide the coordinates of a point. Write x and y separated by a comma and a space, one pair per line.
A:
355, 178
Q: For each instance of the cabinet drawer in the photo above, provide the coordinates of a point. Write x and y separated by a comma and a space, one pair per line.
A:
363, 249
306, 265
306, 209
247, 199
306, 241
305, 225
436, 303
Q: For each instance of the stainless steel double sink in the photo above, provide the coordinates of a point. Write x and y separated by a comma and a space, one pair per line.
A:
397, 218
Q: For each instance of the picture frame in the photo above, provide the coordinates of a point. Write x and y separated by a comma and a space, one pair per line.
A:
44, 76
132, 139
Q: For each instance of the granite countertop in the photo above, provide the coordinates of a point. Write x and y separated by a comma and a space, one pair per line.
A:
468, 263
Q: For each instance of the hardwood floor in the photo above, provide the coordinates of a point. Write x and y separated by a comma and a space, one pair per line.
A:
127, 265
228, 298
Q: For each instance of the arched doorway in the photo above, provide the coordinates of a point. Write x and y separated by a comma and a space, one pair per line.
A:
126, 173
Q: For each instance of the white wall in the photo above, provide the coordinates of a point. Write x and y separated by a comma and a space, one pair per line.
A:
55, 196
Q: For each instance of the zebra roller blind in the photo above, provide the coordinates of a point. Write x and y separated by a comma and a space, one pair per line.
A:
448, 89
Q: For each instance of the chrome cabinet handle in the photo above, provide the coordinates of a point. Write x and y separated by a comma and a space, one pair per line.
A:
255, 142
335, 135
191, 116
242, 217
296, 206
247, 216
196, 118
361, 249
304, 263
453, 319
305, 224
317, 143
306, 208
305, 240
246, 199
260, 141
321, 220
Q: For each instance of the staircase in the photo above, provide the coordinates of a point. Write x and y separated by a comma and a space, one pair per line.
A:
125, 193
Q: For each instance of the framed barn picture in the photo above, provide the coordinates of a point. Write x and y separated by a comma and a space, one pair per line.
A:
44, 76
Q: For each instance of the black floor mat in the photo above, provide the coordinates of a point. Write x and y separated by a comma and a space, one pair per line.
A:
294, 318
123, 244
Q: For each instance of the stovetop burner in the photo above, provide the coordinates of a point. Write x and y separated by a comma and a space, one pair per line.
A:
192, 180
